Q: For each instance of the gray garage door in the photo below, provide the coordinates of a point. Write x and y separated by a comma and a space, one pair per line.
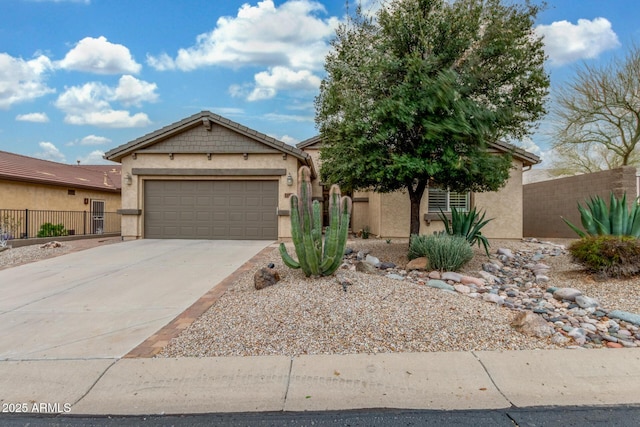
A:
234, 210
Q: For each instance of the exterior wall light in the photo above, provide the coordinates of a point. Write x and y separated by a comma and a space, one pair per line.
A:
289, 180
127, 179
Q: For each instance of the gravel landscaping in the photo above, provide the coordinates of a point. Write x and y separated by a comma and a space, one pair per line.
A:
377, 314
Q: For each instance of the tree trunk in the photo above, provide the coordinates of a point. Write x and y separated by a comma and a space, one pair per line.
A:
415, 196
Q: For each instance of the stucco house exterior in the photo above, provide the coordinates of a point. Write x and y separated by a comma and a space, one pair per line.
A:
207, 177
42, 185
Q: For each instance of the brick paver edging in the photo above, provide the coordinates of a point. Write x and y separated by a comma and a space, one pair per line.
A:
156, 342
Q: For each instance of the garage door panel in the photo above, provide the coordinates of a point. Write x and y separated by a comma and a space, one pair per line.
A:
211, 209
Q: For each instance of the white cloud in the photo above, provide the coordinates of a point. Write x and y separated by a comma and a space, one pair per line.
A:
566, 42
89, 140
94, 158
90, 104
99, 56
288, 118
22, 80
290, 35
49, 152
286, 139
33, 117
268, 83
131, 91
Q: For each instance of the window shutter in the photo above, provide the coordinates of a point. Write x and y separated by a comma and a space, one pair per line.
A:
437, 200
460, 201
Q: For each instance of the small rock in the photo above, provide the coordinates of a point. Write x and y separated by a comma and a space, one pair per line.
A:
626, 316
463, 289
450, 275
506, 252
490, 278
468, 280
395, 276
417, 264
372, 260
434, 275
541, 278
614, 345
586, 302
271, 265
365, 267
348, 251
559, 339
497, 299
578, 335
51, 245
569, 294
440, 285
532, 324
265, 277
386, 265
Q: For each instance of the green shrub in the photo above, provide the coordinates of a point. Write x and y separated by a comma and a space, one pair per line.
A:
615, 220
443, 251
52, 230
366, 232
467, 225
608, 256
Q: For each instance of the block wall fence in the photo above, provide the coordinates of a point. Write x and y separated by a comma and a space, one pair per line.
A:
546, 202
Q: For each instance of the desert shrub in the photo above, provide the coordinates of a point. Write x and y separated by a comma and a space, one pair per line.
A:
616, 219
52, 230
608, 256
467, 225
444, 252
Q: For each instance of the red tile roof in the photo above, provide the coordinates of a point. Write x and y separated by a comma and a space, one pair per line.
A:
15, 167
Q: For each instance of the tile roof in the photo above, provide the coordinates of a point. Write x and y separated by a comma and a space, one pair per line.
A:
15, 167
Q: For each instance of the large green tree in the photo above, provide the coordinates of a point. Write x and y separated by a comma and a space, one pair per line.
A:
597, 117
414, 94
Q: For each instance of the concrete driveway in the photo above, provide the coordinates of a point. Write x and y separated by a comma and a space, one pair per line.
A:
103, 302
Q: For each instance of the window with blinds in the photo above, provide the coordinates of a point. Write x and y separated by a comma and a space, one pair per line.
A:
445, 200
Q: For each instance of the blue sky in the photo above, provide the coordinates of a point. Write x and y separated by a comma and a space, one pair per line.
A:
80, 77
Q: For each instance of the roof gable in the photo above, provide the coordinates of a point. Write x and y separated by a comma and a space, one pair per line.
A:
15, 167
205, 132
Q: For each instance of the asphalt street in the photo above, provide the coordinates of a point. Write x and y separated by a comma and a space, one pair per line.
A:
610, 416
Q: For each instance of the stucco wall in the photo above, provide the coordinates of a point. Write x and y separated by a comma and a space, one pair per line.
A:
389, 214
133, 195
546, 202
505, 206
19, 195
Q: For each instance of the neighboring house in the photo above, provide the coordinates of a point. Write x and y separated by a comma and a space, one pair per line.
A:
206, 177
42, 185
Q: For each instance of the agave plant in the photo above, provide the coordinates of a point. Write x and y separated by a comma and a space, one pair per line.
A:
615, 220
467, 225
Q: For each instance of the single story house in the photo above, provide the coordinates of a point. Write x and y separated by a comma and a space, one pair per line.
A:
207, 177
42, 185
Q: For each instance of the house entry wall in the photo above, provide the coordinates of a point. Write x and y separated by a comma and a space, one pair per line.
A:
216, 210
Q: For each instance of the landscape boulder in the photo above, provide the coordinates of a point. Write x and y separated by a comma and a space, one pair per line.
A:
265, 277
532, 324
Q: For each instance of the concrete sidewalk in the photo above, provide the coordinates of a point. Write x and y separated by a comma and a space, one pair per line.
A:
446, 381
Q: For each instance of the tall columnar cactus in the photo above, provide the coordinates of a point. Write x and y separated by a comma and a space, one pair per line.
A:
314, 257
